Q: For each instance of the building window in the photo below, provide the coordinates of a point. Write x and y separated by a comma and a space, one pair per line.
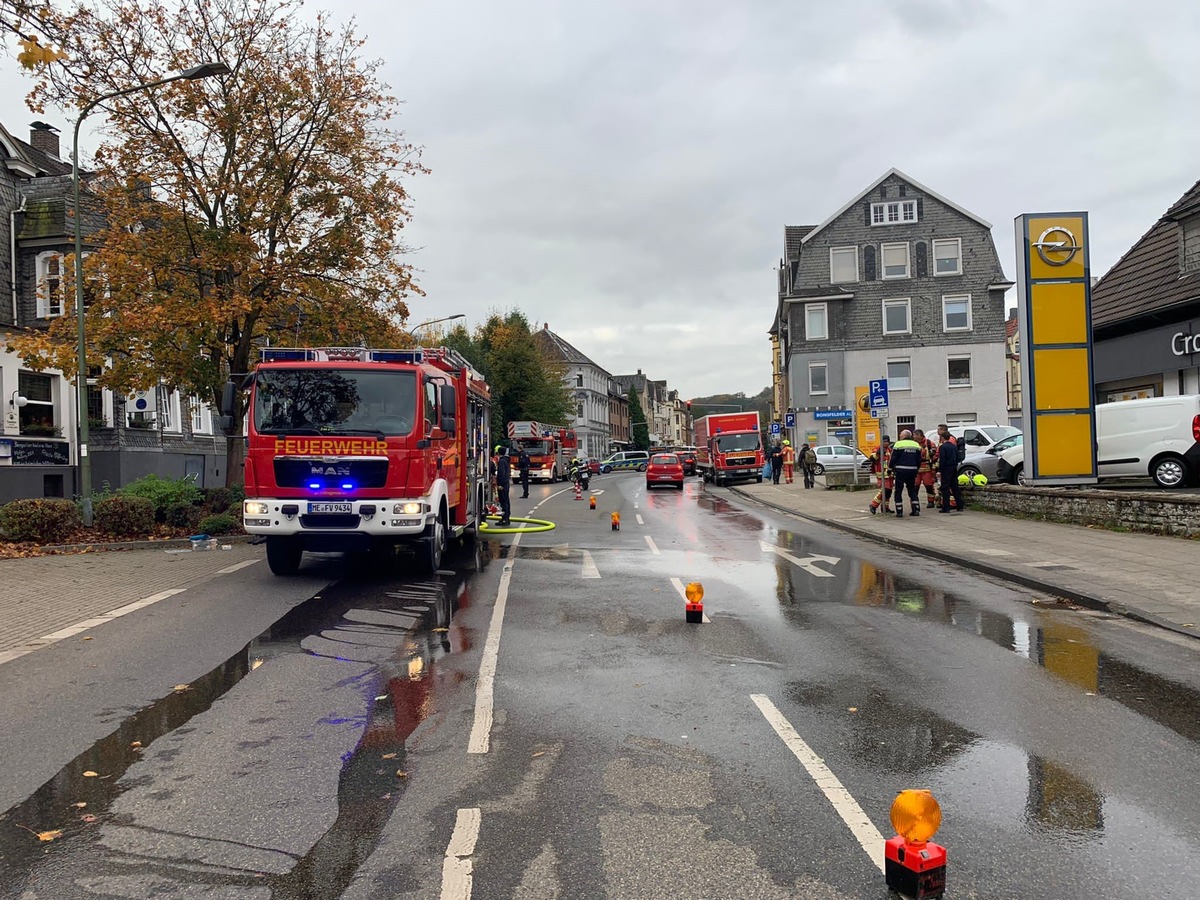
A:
903, 422
579, 379
956, 313
959, 370
816, 321
49, 285
171, 412
899, 375
201, 416
843, 264
895, 260
954, 420
818, 378
896, 319
895, 212
947, 257
36, 417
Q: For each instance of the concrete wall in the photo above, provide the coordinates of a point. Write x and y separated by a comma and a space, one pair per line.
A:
1155, 512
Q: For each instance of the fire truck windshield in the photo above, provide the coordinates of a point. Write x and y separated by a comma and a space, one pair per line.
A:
334, 401
536, 448
734, 443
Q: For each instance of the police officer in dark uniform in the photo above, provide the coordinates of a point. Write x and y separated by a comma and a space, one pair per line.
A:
503, 483
523, 464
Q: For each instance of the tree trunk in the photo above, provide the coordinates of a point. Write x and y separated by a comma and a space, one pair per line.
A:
235, 459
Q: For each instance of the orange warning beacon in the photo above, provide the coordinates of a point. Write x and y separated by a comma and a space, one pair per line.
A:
914, 866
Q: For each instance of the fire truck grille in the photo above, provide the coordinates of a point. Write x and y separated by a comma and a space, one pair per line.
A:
292, 472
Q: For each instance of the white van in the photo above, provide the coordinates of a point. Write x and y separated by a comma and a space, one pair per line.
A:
1157, 436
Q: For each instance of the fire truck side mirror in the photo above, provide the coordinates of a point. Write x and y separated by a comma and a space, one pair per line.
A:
228, 396
448, 406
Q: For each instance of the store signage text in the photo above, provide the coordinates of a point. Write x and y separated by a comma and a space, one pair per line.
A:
1184, 344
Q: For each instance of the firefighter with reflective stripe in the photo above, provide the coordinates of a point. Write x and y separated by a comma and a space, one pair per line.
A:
789, 460
880, 468
925, 474
906, 461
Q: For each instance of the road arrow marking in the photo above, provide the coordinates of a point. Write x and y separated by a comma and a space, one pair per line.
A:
808, 563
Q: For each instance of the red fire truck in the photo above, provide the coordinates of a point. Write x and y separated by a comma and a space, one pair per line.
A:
542, 444
353, 449
729, 447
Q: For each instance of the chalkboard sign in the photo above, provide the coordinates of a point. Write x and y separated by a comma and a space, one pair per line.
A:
41, 453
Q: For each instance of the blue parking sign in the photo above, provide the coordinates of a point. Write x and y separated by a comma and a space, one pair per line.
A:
789, 420
775, 428
879, 393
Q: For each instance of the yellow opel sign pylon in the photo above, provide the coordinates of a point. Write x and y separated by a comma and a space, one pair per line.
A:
1054, 313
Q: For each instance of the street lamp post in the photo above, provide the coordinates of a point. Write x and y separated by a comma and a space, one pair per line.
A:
85, 465
435, 321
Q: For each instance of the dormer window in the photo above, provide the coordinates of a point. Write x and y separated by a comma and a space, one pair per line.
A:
1189, 261
49, 285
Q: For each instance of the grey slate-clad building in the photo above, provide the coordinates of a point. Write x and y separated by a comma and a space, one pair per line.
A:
900, 283
173, 436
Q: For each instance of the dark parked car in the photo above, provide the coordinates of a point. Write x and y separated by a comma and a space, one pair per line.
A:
688, 458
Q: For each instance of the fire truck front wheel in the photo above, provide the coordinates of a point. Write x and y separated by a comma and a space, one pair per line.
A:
433, 544
283, 555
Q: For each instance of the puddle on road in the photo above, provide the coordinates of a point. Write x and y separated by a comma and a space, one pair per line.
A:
399, 696
1059, 647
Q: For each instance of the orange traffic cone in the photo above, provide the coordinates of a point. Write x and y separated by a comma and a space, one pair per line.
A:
578, 491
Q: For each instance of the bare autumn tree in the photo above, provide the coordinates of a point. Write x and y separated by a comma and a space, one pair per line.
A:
263, 204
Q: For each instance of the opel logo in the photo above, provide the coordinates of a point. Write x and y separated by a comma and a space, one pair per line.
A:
1056, 246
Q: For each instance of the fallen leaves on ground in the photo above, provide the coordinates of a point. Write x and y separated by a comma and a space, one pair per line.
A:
90, 774
180, 688
400, 773
389, 756
49, 835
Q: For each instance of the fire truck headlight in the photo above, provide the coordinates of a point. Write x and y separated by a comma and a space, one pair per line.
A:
254, 508
409, 509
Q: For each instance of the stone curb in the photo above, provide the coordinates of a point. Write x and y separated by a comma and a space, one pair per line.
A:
1087, 600
145, 545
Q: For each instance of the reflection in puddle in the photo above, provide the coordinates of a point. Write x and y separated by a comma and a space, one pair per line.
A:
1059, 647
402, 629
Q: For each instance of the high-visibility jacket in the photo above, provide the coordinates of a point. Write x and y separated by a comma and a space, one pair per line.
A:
906, 456
789, 456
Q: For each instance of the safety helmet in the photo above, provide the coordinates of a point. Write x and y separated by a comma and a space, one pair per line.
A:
499, 447
786, 442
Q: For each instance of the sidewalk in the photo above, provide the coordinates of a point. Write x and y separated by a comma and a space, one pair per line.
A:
44, 594
1150, 578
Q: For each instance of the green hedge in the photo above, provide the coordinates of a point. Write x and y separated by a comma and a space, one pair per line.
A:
122, 516
46, 520
163, 493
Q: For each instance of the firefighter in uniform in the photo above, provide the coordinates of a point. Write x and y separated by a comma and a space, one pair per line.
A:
789, 460
925, 474
881, 468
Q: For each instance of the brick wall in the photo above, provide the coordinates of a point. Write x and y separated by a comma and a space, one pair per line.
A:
1157, 513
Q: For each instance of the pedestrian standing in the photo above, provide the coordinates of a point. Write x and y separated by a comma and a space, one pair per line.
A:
906, 462
808, 462
776, 460
789, 460
503, 483
948, 470
523, 464
881, 468
959, 447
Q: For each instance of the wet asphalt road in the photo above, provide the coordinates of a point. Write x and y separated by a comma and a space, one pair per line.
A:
319, 748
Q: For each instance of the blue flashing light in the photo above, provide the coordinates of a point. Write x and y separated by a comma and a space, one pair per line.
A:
347, 485
401, 356
314, 485
269, 354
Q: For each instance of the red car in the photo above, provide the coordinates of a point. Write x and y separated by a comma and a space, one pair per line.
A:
664, 468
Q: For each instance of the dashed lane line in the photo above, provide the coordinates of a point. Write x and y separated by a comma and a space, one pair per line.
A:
457, 866
640, 520
653, 546
846, 806
229, 570
589, 569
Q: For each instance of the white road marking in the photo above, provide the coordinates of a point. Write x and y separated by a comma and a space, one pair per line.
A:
678, 582
457, 866
589, 569
653, 546
86, 624
846, 806
640, 520
229, 570
990, 551
481, 730
808, 563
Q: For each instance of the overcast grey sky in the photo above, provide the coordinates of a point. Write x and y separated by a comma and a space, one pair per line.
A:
623, 170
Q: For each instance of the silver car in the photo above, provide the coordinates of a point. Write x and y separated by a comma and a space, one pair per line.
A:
984, 462
836, 458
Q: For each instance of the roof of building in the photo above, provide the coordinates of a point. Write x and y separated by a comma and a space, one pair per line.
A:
13, 150
793, 235
878, 181
564, 350
820, 293
1147, 278
1010, 325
